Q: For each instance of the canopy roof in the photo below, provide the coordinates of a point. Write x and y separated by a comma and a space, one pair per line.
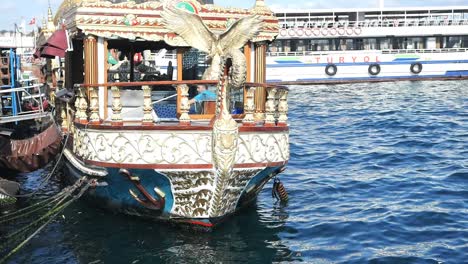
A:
55, 45
128, 20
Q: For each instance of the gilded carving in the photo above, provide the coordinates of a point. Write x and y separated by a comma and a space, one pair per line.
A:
116, 105
249, 107
194, 192
263, 148
152, 147
147, 107
93, 105
82, 106
283, 108
184, 103
270, 108
170, 148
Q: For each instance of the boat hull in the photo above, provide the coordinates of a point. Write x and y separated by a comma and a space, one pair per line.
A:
32, 153
359, 66
189, 195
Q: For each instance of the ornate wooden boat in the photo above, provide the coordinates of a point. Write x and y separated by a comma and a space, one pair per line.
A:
150, 155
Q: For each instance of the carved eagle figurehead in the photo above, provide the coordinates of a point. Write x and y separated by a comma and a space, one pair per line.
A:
194, 32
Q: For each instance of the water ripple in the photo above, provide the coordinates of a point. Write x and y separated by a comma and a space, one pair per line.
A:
378, 174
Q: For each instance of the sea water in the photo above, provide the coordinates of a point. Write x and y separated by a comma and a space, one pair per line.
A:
378, 174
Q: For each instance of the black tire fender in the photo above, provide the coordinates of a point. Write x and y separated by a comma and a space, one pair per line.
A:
374, 69
331, 69
416, 67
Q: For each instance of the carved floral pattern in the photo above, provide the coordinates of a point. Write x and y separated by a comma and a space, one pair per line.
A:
194, 192
158, 147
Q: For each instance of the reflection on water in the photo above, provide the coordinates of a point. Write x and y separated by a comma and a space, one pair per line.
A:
86, 235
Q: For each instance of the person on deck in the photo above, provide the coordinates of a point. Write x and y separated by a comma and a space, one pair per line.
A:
203, 95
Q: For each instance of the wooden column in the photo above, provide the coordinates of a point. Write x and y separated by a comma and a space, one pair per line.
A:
247, 54
106, 70
180, 55
260, 77
90, 60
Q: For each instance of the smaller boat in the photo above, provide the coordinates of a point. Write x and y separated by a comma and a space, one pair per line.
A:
29, 137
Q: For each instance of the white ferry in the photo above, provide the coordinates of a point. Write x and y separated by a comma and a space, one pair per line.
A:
373, 44
355, 45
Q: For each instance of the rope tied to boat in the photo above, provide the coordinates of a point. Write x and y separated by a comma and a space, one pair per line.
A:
54, 205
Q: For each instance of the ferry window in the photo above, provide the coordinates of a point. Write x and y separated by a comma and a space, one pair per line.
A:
370, 44
414, 43
385, 43
347, 44
319, 44
287, 46
301, 45
359, 44
464, 42
279, 45
293, 45
454, 42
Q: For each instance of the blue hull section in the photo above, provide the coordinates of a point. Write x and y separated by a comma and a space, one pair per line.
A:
113, 194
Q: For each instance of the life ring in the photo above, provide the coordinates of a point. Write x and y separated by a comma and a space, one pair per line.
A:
332, 31
308, 31
341, 31
283, 32
357, 30
331, 69
324, 31
291, 32
374, 69
300, 32
416, 67
349, 31
316, 31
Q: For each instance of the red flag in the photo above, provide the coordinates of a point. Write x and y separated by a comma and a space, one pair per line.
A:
33, 21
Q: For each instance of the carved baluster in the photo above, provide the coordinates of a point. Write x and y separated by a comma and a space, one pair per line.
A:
249, 108
184, 118
83, 107
270, 107
277, 99
77, 104
94, 106
116, 106
283, 108
63, 115
147, 107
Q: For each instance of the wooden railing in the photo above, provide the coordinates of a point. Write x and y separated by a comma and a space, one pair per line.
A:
87, 106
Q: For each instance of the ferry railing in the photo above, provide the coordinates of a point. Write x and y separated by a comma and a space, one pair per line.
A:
384, 51
397, 22
440, 50
273, 112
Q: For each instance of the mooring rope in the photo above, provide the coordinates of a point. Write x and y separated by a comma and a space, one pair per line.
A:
59, 206
39, 205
